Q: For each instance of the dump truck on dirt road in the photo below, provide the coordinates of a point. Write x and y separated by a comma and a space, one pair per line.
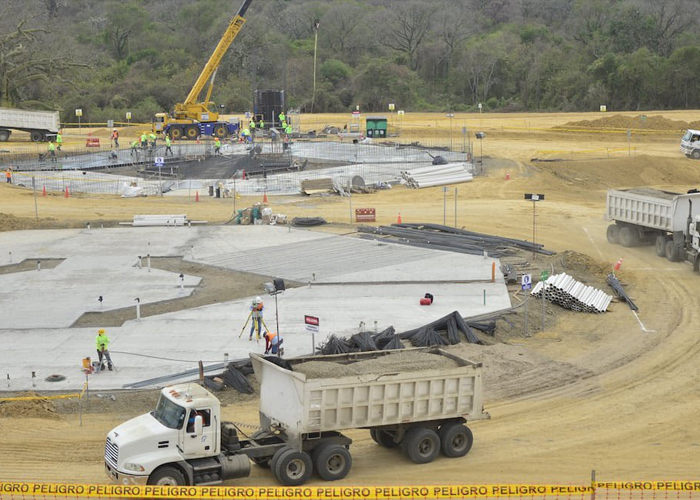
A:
41, 125
690, 144
670, 221
418, 399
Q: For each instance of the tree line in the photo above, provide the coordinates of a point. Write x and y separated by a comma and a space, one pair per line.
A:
108, 57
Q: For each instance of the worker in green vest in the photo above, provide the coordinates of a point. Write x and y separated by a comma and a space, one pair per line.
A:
167, 145
245, 135
52, 151
261, 123
144, 140
282, 119
288, 129
134, 148
59, 140
153, 137
217, 146
251, 125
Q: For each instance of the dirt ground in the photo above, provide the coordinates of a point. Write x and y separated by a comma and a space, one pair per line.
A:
615, 392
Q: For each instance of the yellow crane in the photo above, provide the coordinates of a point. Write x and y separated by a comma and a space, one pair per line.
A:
190, 119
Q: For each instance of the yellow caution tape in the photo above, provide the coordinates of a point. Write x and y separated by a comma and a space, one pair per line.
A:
650, 485
38, 398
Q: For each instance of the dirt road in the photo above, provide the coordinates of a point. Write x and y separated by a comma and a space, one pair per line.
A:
611, 392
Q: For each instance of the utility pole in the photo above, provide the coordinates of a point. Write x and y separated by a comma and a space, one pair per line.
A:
313, 95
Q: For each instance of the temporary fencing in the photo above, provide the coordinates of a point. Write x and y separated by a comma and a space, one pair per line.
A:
631, 490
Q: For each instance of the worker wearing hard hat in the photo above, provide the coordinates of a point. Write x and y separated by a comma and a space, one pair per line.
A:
256, 314
115, 137
272, 343
102, 343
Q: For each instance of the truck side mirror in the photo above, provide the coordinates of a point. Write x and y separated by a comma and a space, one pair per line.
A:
198, 425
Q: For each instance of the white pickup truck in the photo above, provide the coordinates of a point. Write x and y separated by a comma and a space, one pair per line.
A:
184, 441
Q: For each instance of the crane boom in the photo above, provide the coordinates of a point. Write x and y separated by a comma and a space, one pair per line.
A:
234, 27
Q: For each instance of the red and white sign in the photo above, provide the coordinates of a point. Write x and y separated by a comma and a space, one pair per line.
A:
312, 323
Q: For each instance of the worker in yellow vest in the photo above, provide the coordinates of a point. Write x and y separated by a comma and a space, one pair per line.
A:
282, 119
52, 152
59, 140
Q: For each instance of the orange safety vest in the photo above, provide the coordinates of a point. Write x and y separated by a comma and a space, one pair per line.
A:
8, 174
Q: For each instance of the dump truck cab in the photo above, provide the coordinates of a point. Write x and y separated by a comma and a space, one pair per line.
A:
690, 144
184, 426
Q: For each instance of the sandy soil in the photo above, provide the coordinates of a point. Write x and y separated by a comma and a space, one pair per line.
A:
611, 392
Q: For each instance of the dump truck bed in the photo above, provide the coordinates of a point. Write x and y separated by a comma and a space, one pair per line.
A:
652, 208
389, 395
29, 120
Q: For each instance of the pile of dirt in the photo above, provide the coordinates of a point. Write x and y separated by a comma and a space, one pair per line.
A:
396, 362
639, 122
584, 267
616, 173
35, 408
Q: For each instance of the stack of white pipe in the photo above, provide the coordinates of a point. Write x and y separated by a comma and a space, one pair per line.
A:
437, 175
565, 291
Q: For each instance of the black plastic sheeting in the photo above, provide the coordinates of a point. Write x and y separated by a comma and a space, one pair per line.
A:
451, 325
363, 341
235, 379
308, 221
334, 345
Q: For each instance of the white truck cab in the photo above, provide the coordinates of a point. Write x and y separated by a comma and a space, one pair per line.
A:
184, 426
690, 144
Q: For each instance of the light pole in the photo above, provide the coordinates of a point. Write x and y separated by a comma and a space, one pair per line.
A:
275, 288
444, 205
313, 95
450, 116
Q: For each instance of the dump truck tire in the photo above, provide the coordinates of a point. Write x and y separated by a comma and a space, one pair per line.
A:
613, 234
421, 445
332, 461
277, 455
293, 468
695, 155
628, 237
36, 136
660, 246
167, 476
4, 135
672, 251
383, 438
455, 440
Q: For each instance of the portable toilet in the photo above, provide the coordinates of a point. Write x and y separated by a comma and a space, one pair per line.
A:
376, 126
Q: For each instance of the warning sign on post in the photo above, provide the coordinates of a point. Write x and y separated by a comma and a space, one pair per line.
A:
312, 324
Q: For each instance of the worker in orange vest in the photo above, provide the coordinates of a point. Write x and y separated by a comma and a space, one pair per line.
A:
272, 343
8, 175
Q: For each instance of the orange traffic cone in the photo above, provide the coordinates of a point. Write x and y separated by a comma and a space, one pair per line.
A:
67, 194
618, 265
507, 175
398, 219
196, 196
43, 191
265, 197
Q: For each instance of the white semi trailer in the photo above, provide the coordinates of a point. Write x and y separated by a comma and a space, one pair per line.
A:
670, 221
184, 441
41, 125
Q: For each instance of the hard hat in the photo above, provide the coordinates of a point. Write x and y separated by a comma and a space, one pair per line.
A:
101, 330
114, 129
257, 300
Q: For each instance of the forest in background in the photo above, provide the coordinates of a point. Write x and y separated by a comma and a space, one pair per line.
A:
108, 57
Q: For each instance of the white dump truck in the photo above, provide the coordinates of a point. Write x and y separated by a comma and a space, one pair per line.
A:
420, 405
690, 144
41, 125
670, 221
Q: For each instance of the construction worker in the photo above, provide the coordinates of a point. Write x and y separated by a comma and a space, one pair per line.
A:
245, 135
59, 140
152, 139
52, 152
282, 119
115, 138
144, 140
261, 123
256, 314
288, 129
168, 142
135, 148
272, 343
217, 146
102, 343
251, 125
8, 175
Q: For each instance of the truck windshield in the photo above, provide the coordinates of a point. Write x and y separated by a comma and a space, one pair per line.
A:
687, 135
169, 414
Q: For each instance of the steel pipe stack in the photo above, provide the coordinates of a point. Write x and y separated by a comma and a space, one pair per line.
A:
437, 175
563, 290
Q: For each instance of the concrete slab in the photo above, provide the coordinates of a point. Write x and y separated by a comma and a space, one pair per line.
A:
347, 296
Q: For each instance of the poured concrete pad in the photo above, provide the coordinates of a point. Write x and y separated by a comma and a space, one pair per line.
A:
359, 285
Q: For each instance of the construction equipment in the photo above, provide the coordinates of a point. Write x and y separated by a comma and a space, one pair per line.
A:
690, 144
41, 125
422, 408
191, 119
670, 221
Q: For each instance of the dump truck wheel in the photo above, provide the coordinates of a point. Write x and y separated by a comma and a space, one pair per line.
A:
421, 445
277, 455
4, 135
383, 438
628, 237
332, 461
672, 251
37, 136
455, 440
613, 234
695, 155
660, 246
167, 476
192, 132
293, 468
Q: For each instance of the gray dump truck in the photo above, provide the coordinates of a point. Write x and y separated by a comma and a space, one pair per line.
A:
645, 216
41, 125
415, 399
